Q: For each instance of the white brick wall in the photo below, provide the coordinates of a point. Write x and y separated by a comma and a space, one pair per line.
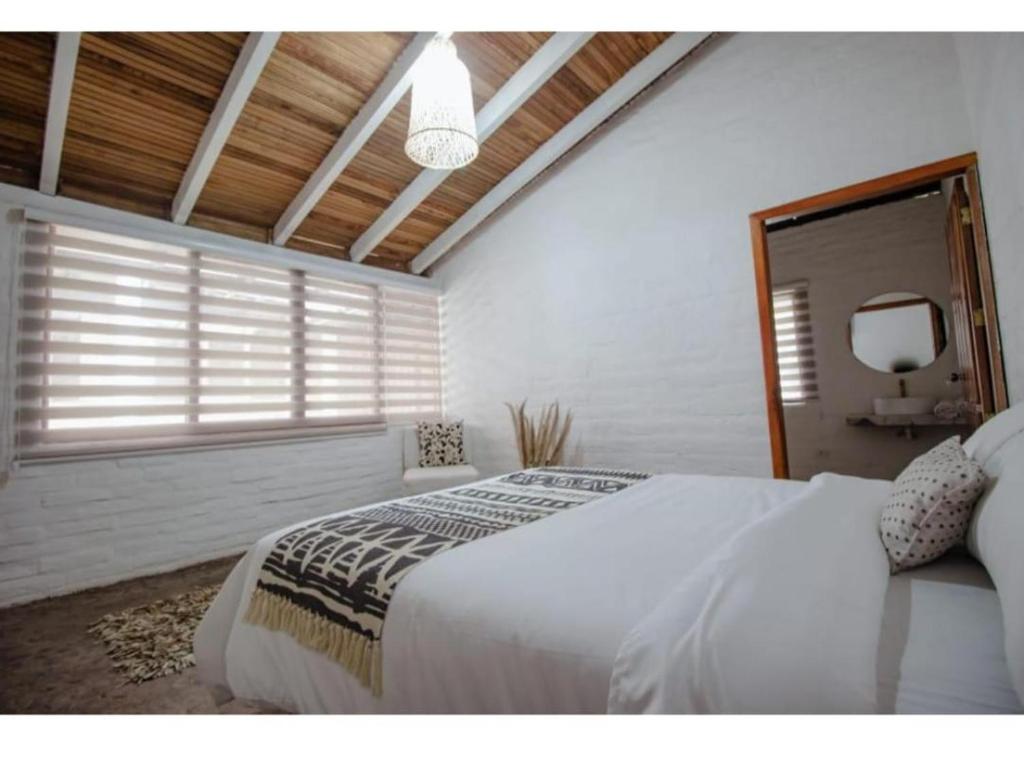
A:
622, 283
78, 524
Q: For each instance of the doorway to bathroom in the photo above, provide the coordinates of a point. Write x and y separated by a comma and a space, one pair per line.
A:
878, 322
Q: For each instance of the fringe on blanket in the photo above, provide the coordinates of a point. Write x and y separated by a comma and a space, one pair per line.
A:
359, 655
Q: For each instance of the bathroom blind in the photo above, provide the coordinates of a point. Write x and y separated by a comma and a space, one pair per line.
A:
794, 343
126, 344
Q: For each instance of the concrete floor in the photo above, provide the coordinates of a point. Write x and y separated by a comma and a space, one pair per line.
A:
50, 663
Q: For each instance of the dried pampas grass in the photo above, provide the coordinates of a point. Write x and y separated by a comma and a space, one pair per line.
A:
541, 443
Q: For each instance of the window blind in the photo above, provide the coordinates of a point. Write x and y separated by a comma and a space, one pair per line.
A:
411, 362
794, 343
127, 344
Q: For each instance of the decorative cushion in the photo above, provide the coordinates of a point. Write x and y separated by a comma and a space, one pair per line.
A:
440, 444
930, 506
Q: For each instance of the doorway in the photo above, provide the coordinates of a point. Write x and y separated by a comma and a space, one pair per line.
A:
896, 333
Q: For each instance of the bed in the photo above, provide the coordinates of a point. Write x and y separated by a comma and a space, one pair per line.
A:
682, 593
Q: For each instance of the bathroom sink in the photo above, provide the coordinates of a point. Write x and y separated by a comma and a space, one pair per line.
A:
907, 405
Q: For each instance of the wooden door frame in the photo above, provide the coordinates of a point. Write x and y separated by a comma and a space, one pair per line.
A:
967, 165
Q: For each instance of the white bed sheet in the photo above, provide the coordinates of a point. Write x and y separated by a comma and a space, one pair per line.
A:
941, 645
528, 620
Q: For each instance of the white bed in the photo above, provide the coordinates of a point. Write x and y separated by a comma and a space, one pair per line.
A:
567, 615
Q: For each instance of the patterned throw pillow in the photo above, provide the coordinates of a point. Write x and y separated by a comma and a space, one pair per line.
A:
930, 506
440, 444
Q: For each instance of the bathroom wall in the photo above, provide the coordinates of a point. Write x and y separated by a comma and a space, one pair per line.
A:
846, 260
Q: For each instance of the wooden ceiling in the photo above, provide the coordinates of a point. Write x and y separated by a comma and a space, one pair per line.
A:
382, 170
307, 94
25, 61
140, 102
138, 106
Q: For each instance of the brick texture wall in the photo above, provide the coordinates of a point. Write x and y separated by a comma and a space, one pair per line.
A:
622, 283
73, 525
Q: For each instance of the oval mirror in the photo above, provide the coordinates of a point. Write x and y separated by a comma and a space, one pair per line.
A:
898, 332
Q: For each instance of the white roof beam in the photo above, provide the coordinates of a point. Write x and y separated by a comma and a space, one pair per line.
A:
361, 128
541, 66
62, 79
253, 57
611, 100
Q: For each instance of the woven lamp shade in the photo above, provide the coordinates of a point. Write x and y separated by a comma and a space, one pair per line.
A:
442, 125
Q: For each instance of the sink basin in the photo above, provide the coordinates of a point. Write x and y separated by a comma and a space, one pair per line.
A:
908, 405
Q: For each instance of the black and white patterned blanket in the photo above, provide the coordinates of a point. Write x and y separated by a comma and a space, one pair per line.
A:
328, 583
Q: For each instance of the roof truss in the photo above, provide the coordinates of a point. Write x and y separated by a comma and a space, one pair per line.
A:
370, 116
62, 78
246, 71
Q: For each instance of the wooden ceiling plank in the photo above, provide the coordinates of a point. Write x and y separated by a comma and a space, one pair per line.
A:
361, 128
57, 114
667, 54
163, 57
253, 57
541, 66
26, 60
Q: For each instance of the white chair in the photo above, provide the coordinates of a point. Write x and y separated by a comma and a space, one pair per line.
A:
418, 479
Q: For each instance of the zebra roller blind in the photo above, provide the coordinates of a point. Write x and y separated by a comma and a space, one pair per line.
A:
127, 344
794, 343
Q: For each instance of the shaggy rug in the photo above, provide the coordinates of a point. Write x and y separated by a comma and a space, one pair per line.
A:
156, 639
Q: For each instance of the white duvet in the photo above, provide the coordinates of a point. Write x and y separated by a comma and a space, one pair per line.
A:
679, 594
528, 620
785, 618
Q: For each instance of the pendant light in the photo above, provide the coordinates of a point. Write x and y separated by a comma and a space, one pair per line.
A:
442, 125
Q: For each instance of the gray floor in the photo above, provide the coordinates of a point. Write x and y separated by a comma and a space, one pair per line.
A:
49, 663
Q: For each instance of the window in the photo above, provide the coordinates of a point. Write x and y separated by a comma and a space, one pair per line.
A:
125, 344
794, 343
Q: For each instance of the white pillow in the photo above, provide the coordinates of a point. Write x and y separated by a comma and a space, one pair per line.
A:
996, 538
987, 439
982, 447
